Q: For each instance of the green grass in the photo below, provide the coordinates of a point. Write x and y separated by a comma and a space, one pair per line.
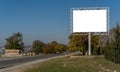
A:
77, 64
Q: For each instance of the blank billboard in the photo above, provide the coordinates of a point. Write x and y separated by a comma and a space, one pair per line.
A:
89, 20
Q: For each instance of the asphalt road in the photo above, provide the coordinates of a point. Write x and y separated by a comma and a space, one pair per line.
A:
5, 63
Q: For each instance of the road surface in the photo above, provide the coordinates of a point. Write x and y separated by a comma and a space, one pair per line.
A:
5, 63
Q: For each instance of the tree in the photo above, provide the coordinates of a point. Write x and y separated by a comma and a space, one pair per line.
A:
60, 48
38, 46
15, 42
78, 42
117, 44
112, 47
95, 48
50, 47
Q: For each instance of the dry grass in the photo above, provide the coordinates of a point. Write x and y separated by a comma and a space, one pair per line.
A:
76, 64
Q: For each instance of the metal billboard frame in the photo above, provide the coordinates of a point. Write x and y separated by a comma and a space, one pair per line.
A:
89, 33
89, 8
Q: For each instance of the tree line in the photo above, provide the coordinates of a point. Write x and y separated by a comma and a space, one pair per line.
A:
76, 43
16, 42
52, 47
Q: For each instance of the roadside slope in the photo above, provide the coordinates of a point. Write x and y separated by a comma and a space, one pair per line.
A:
76, 64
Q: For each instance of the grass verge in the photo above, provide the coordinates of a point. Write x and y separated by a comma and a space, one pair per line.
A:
76, 64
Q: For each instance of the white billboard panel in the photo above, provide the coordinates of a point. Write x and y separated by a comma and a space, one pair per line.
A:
89, 20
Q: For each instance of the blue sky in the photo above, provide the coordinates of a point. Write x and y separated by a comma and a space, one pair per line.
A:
46, 20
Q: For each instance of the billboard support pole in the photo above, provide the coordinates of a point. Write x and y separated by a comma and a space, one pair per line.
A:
89, 43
